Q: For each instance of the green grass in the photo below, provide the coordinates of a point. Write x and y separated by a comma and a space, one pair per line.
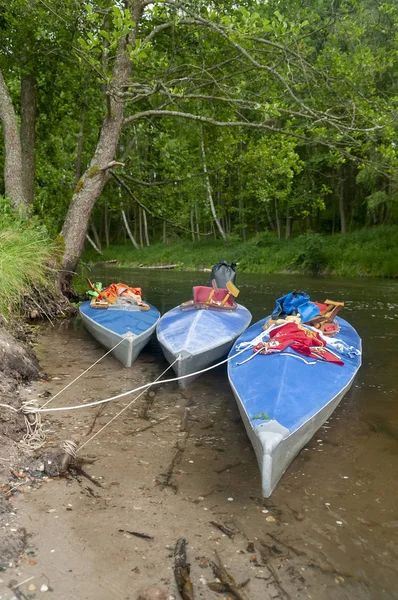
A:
25, 255
368, 252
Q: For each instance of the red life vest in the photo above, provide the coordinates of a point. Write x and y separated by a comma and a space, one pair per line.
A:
302, 340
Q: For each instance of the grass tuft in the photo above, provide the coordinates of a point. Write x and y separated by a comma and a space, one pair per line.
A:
26, 253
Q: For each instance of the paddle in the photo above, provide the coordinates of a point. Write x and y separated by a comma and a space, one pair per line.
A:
213, 291
232, 291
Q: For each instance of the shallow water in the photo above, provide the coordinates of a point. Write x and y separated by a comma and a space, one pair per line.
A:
329, 531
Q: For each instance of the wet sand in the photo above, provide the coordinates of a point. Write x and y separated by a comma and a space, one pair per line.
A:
179, 464
176, 461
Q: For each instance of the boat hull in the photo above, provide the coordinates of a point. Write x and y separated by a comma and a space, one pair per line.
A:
278, 439
194, 340
110, 326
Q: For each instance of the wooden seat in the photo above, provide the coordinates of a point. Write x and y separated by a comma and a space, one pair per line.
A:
327, 315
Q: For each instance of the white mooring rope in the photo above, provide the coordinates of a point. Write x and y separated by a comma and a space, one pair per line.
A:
84, 372
123, 409
142, 387
35, 437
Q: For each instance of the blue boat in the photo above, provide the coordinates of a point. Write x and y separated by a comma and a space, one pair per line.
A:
123, 324
196, 339
284, 398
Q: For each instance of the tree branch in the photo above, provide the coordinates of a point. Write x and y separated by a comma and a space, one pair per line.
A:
130, 193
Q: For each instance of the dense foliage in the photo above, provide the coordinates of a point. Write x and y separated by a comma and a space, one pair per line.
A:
239, 118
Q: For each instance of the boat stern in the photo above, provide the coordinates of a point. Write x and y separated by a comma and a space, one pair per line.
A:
272, 454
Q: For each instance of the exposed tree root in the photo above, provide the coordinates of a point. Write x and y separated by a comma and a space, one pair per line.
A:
182, 570
227, 583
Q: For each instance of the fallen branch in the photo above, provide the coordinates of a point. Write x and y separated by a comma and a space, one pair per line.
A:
228, 467
165, 479
182, 570
76, 470
98, 414
159, 267
227, 530
291, 548
277, 582
141, 429
144, 536
185, 419
227, 582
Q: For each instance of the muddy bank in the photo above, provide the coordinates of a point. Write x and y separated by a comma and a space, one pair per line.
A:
179, 464
18, 365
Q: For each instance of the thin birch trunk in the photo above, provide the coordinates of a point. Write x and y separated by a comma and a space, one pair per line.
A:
145, 227
94, 245
277, 218
197, 221
107, 225
140, 225
288, 229
209, 194
132, 238
192, 224
241, 207
96, 236
341, 204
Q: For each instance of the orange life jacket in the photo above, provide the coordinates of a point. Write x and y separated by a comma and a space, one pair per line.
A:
120, 290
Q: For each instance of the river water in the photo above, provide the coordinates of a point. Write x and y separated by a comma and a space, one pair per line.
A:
329, 531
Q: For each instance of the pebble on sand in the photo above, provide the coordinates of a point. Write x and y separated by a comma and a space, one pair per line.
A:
152, 593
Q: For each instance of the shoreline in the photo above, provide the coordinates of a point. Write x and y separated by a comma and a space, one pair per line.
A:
200, 269
363, 253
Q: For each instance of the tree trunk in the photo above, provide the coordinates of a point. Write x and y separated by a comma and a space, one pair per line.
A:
288, 230
13, 152
145, 227
270, 221
164, 233
341, 204
80, 137
192, 224
96, 236
107, 225
28, 135
209, 194
94, 245
197, 221
241, 206
126, 224
91, 184
140, 226
278, 221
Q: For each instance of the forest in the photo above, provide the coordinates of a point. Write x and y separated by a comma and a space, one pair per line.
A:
157, 123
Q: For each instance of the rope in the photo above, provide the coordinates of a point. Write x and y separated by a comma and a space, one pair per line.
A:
142, 387
124, 408
34, 437
10, 407
70, 448
84, 372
